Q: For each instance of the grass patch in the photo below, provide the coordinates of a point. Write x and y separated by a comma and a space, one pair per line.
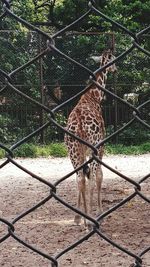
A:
35, 151
127, 150
60, 150
54, 149
2, 153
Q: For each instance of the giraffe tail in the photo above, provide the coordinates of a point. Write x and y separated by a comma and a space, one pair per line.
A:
86, 171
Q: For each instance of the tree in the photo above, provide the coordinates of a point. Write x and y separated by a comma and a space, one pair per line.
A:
132, 14
59, 13
19, 46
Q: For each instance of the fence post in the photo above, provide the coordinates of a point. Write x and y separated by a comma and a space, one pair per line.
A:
41, 89
115, 91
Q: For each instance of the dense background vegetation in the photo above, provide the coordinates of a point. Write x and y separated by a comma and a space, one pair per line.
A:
18, 45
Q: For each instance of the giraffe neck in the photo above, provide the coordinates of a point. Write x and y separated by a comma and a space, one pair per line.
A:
95, 93
102, 78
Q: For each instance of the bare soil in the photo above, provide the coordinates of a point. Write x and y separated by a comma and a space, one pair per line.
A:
51, 228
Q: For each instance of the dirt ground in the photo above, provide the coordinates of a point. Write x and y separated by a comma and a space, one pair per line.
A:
51, 228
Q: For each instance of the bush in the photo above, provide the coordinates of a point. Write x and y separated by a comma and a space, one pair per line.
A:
146, 147
127, 150
53, 133
54, 149
4, 130
58, 150
31, 151
26, 150
43, 151
136, 134
2, 153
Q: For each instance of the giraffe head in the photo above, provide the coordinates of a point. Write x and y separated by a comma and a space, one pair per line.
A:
104, 59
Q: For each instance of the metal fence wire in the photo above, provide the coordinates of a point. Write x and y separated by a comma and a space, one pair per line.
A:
136, 43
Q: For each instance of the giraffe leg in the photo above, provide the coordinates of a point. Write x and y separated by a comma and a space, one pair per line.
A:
96, 176
91, 190
99, 179
77, 156
91, 186
84, 203
81, 194
77, 218
92, 181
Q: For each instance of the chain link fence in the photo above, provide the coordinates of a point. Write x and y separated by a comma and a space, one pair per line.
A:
136, 115
49, 73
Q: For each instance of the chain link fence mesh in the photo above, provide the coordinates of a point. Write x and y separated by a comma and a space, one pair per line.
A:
50, 72
8, 81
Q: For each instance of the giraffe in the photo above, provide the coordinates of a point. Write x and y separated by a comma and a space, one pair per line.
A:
86, 121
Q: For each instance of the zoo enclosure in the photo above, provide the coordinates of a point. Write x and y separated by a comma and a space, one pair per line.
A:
9, 85
20, 118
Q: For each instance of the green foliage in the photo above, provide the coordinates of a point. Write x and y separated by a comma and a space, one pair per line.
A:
3, 128
132, 14
26, 150
8, 130
53, 149
43, 151
2, 153
133, 70
58, 150
134, 135
16, 50
17, 121
31, 150
59, 13
53, 133
127, 150
145, 147
68, 11
19, 46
